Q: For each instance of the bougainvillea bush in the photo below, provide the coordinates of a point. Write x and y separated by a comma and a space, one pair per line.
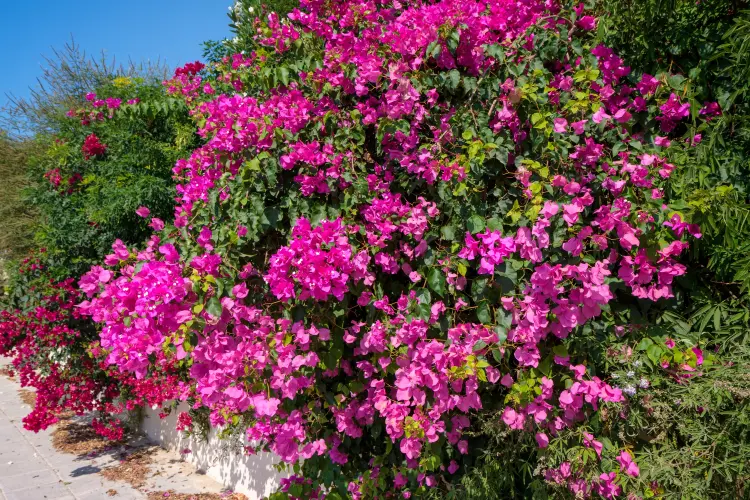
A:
108, 157
53, 349
419, 237
46, 337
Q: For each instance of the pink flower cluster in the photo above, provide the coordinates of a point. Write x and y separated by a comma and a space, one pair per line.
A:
96, 108
148, 301
313, 156
318, 263
446, 374
491, 246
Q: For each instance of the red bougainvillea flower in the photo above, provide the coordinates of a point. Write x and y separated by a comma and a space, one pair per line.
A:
92, 146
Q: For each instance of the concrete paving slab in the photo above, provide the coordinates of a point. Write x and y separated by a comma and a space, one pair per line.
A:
54, 491
21, 465
28, 479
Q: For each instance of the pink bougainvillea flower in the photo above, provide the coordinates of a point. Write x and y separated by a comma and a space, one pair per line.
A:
542, 440
627, 465
587, 23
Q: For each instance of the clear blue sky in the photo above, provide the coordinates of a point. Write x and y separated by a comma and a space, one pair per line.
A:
126, 29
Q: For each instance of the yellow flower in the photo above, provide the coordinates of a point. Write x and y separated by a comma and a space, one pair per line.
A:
122, 81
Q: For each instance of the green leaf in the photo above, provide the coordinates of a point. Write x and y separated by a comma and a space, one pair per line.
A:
644, 344
271, 216
436, 280
560, 350
676, 81
475, 224
503, 318
478, 346
448, 232
431, 462
433, 49
506, 285
214, 307
461, 268
455, 77
483, 313
654, 352
502, 335
423, 296
283, 75
333, 356
479, 288
494, 224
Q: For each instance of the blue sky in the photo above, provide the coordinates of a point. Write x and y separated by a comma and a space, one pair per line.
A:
127, 29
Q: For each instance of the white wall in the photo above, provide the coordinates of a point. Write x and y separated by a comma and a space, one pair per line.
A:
253, 476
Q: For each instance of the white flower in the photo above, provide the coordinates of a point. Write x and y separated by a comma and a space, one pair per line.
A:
643, 383
629, 390
637, 364
615, 376
250, 10
630, 374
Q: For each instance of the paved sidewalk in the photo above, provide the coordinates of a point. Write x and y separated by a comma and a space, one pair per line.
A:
31, 469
